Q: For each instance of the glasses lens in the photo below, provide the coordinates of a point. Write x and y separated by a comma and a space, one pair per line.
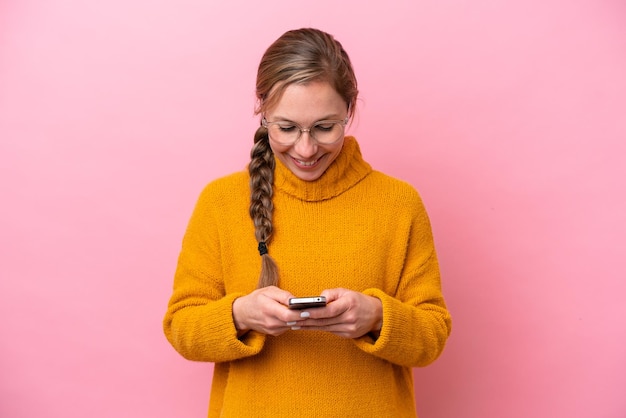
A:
324, 132
284, 133
327, 132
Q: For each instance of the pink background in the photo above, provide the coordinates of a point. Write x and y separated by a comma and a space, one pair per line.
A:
508, 116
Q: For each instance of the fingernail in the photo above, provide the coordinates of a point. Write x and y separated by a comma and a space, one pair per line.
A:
291, 323
305, 315
295, 328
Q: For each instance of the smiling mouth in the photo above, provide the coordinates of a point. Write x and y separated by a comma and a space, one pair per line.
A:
305, 163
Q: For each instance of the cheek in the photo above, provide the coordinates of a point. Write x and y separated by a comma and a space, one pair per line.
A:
335, 150
278, 149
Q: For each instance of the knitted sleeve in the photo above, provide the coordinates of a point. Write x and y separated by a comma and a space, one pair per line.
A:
416, 322
199, 322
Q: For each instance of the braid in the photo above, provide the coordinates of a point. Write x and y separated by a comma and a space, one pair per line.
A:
297, 57
261, 171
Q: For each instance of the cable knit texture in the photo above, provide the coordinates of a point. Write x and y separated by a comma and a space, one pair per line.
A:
354, 228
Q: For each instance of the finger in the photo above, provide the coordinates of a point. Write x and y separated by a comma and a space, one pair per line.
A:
332, 294
277, 294
342, 330
320, 322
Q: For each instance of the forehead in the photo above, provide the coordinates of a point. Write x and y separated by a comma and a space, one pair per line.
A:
308, 103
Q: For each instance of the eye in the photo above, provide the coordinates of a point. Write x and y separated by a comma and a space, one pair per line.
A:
286, 128
324, 126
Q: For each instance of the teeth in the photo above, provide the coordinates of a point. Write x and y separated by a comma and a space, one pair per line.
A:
306, 163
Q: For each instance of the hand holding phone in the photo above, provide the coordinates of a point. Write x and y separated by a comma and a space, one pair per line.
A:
307, 302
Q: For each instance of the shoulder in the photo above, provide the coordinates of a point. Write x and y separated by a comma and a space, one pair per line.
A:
396, 197
236, 179
395, 189
401, 200
228, 189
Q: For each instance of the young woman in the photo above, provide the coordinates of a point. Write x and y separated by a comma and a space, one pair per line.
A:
308, 218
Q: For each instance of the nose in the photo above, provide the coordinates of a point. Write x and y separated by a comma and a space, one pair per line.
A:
306, 146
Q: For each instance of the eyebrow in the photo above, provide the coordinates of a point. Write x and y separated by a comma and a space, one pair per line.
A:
333, 116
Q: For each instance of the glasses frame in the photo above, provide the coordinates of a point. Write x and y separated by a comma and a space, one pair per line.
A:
266, 124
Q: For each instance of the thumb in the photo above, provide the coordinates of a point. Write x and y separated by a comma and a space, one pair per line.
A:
333, 294
277, 294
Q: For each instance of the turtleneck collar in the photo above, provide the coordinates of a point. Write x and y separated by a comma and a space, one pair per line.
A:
347, 170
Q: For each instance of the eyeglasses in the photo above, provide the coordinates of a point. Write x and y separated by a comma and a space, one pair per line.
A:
288, 133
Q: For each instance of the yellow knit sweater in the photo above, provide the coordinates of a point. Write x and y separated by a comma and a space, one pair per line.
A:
354, 228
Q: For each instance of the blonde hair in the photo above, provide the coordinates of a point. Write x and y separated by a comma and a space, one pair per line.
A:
297, 57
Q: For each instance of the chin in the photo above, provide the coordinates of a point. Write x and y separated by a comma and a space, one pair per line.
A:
309, 175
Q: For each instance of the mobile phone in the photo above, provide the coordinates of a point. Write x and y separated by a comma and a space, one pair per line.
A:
307, 302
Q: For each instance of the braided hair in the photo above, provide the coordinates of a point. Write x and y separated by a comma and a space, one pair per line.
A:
298, 56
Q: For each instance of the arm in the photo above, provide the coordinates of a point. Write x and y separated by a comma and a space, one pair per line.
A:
409, 328
199, 319
416, 322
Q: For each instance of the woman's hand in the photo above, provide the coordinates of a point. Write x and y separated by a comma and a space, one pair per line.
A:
348, 314
264, 310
